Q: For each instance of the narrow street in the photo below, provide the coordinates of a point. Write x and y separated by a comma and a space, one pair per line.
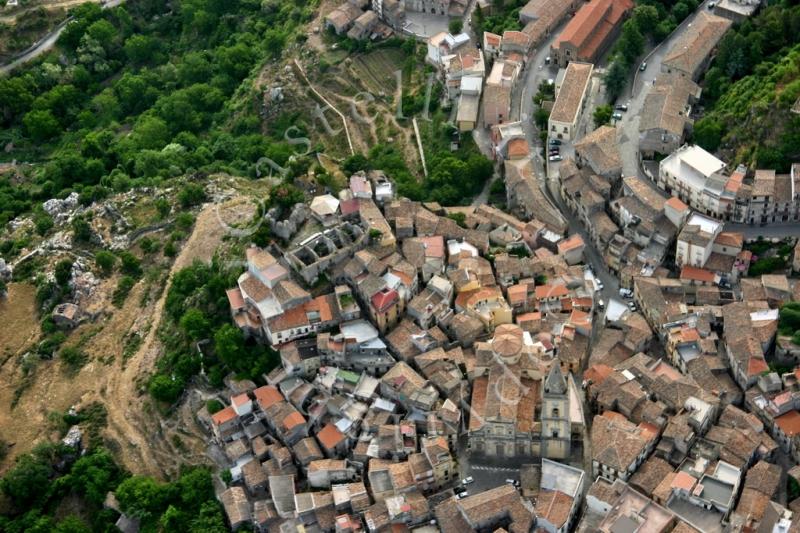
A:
636, 92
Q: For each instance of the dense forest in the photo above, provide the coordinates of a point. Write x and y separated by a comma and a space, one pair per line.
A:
750, 89
141, 93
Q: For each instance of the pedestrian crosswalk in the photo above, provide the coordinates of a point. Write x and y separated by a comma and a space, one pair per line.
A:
494, 468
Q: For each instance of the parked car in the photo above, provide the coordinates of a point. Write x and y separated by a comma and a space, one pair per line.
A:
643, 66
626, 293
555, 157
601, 304
599, 285
621, 107
462, 495
467, 480
547, 60
617, 116
511, 482
459, 489
555, 142
632, 306
554, 151
712, 5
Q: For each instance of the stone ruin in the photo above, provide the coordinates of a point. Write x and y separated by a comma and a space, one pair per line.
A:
287, 227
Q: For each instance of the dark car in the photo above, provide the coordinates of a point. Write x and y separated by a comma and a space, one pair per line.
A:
555, 142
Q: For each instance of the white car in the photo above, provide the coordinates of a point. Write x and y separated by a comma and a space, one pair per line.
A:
632, 306
626, 293
555, 157
462, 495
598, 285
467, 480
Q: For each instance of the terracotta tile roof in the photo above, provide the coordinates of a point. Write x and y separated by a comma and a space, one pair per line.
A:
518, 148
330, 437
241, 399
697, 274
683, 481
550, 291
727, 238
290, 318
676, 204
593, 24
382, 300
226, 415
576, 241
235, 298
789, 423
292, 420
252, 287
267, 396
554, 506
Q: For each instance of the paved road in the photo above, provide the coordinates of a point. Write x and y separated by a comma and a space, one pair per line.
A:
46, 43
769, 231
636, 93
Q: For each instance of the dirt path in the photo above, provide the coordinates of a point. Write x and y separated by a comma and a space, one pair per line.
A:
141, 440
127, 421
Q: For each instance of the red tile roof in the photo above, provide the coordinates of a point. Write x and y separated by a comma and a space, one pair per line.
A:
382, 300
434, 246
235, 298
518, 148
789, 423
241, 399
226, 415
293, 420
267, 396
330, 436
676, 204
697, 274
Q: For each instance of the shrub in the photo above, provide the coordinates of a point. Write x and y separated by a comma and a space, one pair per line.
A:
124, 287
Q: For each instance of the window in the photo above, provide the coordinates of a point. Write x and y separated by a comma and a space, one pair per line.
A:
555, 433
555, 412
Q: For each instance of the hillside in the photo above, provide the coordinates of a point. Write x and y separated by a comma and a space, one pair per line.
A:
750, 90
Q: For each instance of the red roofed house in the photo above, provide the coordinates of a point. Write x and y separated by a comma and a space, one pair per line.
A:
267, 396
786, 432
333, 442
225, 424
242, 404
386, 308
593, 28
571, 249
697, 276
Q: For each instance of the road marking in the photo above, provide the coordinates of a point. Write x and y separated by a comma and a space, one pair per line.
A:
494, 468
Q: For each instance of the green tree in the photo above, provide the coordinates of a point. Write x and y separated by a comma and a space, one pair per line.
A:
602, 115
191, 194
616, 78
81, 229
63, 272
229, 347
142, 497
165, 388
94, 474
105, 261
631, 42
646, 17
140, 49
130, 264
27, 481
194, 324
708, 133
163, 207
41, 125
455, 26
